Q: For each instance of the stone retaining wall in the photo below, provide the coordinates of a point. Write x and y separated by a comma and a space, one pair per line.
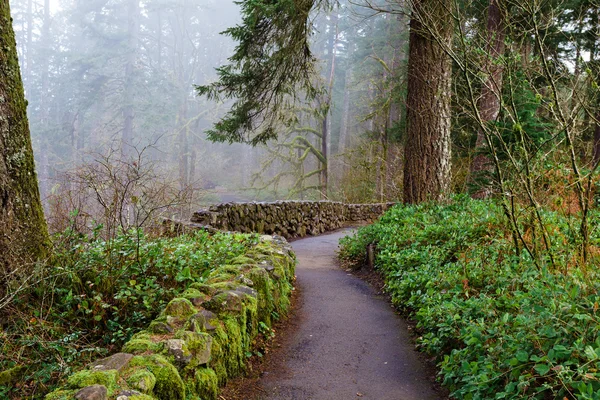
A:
201, 338
287, 218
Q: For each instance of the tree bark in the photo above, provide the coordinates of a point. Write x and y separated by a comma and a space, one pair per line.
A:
23, 232
488, 103
427, 151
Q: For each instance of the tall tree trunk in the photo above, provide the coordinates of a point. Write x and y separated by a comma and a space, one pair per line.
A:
489, 101
333, 38
23, 232
427, 152
133, 12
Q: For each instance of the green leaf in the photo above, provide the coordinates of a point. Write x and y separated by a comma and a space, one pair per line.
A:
522, 356
590, 353
542, 369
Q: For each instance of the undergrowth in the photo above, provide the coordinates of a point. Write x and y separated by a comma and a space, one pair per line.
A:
500, 326
95, 294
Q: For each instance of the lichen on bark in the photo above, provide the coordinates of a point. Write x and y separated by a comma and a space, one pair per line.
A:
24, 236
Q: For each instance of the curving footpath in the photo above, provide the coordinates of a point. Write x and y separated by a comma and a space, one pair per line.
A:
350, 344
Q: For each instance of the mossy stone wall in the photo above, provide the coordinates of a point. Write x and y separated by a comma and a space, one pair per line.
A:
287, 218
201, 339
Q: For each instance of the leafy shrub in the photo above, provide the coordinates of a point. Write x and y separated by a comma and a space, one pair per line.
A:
501, 326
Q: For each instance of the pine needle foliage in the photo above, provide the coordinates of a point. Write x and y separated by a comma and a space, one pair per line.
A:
271, 66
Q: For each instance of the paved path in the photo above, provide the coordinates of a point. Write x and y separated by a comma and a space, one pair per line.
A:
349, 343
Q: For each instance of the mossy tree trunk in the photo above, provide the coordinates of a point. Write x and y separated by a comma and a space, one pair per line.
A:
23, 233
427, 151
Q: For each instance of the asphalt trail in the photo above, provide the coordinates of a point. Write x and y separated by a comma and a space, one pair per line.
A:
349, 343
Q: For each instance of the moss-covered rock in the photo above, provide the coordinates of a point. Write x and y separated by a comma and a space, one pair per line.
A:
87, 377
180, 308
141, 397
204, 321
199, 345
169, 385
195, 296
203, 288
205, 384
61, 395
142, 379
142, 342
160, 327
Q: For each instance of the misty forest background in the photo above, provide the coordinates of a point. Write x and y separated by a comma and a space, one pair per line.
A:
110, 86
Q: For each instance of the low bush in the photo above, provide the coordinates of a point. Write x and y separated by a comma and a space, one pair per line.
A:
95, 295
501, 325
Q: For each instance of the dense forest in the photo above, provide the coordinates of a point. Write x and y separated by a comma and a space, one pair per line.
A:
481, 117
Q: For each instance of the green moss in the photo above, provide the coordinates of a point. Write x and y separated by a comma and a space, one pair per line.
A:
61, 395
242, 260
199, 345
203, 288
226, 285
264, 287
11, 376
205, 384
180, 308
141, 343
141, 397
231, 340
142, 380
193, 293
86, 377
160, 326
169, 385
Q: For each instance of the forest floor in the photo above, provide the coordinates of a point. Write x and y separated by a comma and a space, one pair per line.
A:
342, 341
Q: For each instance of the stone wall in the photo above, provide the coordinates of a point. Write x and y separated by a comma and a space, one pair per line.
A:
287, 218
201, 338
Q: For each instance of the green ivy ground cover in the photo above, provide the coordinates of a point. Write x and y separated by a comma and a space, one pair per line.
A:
500, 326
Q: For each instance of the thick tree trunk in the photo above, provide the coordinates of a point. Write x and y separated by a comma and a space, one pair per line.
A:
489, 102
427, 152
23, 232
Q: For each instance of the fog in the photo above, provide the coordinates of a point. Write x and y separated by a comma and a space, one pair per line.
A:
112, 105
